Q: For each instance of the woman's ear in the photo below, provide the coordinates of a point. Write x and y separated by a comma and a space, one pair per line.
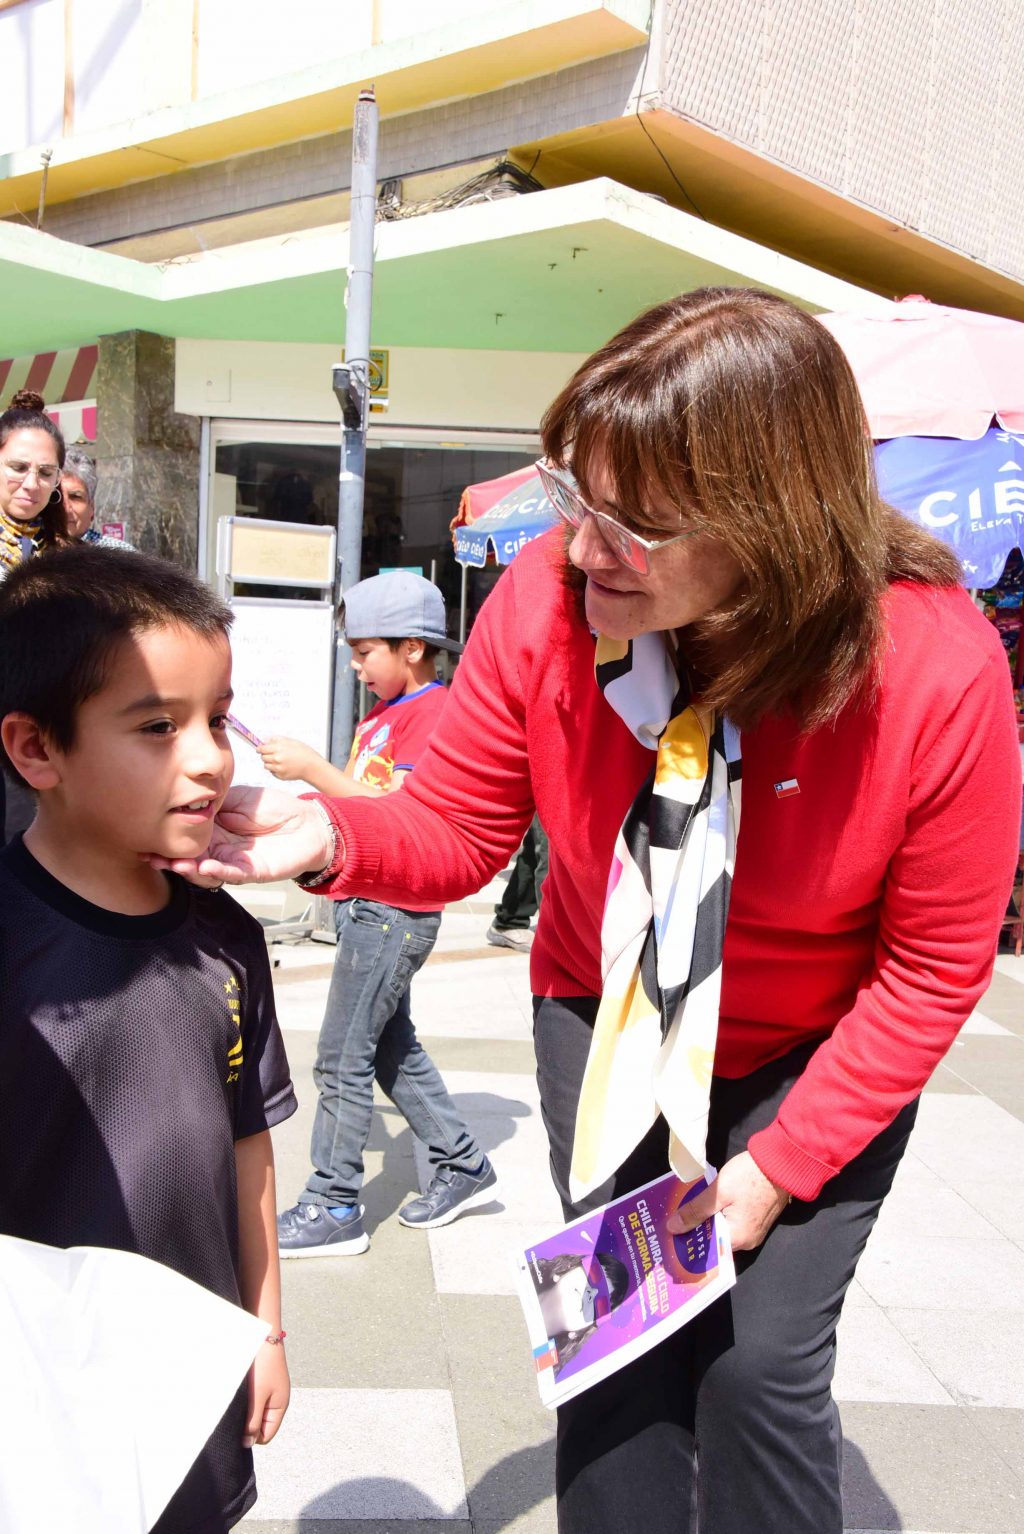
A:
30, 752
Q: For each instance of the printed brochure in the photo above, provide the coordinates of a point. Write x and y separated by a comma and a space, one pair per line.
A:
615, 1283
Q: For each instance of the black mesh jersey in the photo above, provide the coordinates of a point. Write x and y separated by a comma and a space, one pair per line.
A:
134, 1051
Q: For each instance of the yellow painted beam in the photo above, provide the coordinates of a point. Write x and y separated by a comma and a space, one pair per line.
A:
701, 172
529, 38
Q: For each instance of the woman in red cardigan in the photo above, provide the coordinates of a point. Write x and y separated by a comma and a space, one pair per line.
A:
731, 605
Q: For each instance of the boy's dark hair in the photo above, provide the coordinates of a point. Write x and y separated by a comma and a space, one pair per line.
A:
62, 616
430, 651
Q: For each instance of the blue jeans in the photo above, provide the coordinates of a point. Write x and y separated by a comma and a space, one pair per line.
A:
367, 1032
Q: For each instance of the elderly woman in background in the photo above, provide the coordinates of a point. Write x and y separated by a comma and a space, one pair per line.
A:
78, 484
731, 601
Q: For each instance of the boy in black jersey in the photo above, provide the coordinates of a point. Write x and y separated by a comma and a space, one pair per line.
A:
141, 1064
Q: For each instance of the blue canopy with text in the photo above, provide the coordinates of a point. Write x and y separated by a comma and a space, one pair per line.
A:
510, 524
968, 493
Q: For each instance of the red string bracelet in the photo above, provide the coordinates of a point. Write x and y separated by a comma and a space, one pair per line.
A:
275, 1338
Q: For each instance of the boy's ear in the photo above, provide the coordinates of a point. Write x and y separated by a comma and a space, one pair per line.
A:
30, 751
414, 649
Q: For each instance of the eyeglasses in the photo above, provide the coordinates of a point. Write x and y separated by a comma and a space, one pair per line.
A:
46, 473
629, 548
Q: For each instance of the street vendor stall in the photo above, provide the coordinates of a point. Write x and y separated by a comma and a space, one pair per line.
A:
497, 519
944, 394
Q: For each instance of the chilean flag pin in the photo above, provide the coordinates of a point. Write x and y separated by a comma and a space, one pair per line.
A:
787, 788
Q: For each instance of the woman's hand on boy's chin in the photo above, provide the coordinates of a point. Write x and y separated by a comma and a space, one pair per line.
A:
260, 834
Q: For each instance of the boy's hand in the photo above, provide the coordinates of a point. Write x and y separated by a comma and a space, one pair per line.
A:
269, 1393
289, 759
260, 834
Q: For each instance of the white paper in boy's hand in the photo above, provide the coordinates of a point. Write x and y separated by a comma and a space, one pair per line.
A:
116, 1371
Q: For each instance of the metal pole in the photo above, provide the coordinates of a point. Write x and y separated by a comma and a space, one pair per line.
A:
45, 157
352, 388
462, 606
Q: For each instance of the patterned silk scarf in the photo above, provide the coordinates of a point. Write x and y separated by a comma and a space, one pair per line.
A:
664, 923
19, 540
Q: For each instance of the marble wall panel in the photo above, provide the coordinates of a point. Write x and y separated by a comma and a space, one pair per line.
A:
147, 453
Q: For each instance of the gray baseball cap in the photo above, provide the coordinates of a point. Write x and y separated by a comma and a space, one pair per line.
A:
396, 605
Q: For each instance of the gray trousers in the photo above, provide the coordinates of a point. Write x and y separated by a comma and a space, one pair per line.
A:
367, 1033
729, 1427
521, 900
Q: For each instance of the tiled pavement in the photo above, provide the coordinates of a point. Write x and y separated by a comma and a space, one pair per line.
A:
414, 1399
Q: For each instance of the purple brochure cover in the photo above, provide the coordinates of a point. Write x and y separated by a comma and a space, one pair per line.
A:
612, 1284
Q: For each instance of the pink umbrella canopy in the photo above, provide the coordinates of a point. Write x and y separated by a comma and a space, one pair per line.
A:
477, 500
928, 371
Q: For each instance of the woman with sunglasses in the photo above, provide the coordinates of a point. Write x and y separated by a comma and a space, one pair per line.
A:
32, 516
730, 605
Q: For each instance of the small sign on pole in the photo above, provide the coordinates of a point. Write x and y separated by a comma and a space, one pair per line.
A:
380, 374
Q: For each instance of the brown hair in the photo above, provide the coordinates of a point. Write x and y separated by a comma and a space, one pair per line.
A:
26, 413
740, 409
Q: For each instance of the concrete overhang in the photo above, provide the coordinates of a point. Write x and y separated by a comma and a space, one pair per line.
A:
734, 187
554, 271
479, 53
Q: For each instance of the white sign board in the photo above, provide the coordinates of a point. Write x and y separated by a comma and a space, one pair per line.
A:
282, 667
265, 553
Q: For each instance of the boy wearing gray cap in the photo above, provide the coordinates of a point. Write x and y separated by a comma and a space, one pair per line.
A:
395, 626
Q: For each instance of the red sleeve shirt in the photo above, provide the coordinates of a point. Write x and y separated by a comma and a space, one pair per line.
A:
865, 906
393, 736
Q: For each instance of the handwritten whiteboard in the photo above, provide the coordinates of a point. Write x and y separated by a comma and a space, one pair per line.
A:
282, 669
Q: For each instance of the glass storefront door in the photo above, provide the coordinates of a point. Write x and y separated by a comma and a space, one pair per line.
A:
288, 472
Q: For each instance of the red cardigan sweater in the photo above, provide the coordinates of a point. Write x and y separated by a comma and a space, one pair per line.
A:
864, 908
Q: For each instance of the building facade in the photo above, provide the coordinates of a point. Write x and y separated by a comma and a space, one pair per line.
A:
174, 181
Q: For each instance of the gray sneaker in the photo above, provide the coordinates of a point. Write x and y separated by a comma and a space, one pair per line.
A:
450, 1194
519, 938
311, 1230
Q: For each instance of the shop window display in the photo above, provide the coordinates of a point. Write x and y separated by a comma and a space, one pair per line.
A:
412, 493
